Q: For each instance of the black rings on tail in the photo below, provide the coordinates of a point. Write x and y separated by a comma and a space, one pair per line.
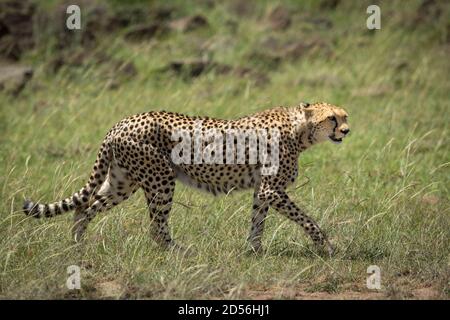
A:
79, 199
37, 210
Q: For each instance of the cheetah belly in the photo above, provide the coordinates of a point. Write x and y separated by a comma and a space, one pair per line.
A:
218, 178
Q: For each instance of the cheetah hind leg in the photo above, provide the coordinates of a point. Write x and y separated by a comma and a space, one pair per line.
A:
79, 224
159, 202
157, 178
116, 188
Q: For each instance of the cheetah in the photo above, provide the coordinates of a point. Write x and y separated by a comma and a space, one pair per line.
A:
138, 152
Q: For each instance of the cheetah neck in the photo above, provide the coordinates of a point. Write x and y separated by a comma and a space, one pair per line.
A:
302, 129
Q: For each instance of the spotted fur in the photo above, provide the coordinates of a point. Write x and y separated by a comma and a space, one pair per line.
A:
136, 153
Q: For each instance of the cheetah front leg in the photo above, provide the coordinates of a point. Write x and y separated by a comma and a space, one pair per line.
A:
259, 214
159, 205
280, 201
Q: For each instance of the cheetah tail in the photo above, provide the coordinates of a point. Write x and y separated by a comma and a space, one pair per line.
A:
80, 198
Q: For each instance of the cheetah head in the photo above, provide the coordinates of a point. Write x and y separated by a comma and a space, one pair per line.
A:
327, 122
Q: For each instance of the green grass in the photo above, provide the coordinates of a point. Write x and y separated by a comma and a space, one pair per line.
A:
382, 196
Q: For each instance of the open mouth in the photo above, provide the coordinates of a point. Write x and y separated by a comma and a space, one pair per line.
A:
335, 140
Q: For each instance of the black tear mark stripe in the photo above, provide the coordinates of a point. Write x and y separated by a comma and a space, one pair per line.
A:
311, 134
335, 124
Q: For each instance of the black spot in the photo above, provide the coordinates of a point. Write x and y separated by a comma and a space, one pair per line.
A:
76, 201
46, 210
64, 205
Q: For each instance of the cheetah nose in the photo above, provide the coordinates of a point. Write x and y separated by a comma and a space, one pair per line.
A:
345, 131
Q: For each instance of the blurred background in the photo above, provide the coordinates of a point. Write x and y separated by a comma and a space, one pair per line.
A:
253, 43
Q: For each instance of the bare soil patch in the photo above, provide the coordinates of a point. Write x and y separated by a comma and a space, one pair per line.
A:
304, 293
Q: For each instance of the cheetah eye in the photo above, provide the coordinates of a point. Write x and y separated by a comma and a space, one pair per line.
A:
332, 118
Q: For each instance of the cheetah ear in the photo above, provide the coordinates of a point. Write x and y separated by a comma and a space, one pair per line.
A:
305, 105
308, 113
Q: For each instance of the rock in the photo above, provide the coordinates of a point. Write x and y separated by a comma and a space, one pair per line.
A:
428, 11
258, 77
126, 16
98, 18
223, 69
55, 64
16, 28
266, 59
13, 78
272, 51
162, 13
145, 31
329, 4
209, 4
190, 68
3, 29
320, 23
10, 48
241, 8
279, 18
190, 23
